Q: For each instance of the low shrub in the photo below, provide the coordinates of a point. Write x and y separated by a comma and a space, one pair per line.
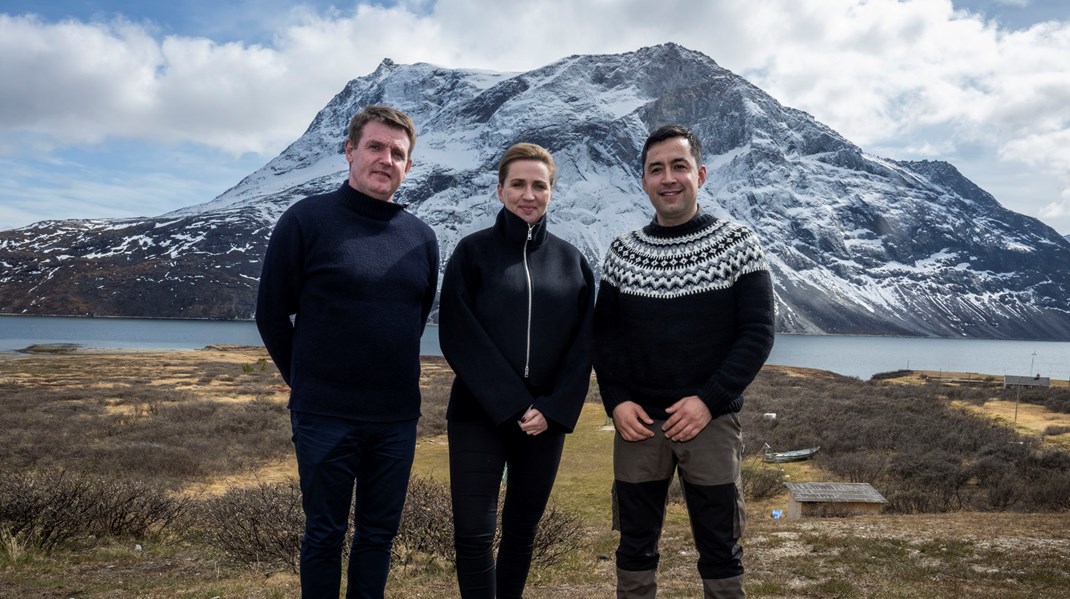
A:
676, 492
894, 374
938, 475
427, 528
48, 509
1054, 399
862, 467
433, 406
761, 481
260, 525
426, 523
921, 450
1001, 487
558, 536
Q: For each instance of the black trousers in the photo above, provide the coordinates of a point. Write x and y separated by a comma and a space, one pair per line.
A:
479, 454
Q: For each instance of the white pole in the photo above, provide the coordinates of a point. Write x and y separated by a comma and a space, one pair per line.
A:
1018, 397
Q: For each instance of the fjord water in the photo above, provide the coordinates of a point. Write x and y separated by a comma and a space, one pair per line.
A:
858, 356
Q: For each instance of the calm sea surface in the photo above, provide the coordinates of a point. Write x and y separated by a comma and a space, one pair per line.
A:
849, 355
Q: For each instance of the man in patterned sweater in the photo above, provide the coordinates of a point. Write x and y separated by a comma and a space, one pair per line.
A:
683, 323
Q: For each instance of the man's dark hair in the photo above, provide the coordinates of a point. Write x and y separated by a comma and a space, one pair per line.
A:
668, 132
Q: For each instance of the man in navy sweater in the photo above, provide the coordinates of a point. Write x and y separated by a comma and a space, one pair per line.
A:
347, 285
682, 324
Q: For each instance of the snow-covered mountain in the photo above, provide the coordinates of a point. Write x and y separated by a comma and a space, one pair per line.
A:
858, 243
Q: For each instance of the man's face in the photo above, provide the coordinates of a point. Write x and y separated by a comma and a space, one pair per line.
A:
378, 162
671, 178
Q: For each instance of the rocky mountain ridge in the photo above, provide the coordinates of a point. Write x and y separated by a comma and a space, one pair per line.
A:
858, 244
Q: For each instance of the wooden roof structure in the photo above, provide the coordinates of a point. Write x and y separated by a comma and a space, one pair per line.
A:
834, 493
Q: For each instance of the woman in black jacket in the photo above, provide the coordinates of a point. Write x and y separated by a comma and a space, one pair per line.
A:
515, 326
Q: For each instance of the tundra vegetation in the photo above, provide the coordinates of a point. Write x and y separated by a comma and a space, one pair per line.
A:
171, 475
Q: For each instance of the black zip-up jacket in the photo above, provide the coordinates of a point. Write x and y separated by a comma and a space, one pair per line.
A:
515, 322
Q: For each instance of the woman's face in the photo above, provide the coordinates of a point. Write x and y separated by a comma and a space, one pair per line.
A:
526, 191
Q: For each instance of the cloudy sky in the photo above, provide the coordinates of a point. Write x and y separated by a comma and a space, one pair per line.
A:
113, 108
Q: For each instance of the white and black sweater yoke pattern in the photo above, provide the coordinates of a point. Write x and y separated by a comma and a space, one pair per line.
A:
711, 258
681, 311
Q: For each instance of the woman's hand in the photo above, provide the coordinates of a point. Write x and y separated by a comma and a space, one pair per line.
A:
533, 422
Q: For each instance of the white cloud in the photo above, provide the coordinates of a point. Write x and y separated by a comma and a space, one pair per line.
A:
914, 74
79, 79
1058, 209
890, 74
1048, 152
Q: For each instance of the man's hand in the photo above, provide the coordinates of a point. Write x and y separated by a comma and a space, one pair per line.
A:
629, 418
687, 418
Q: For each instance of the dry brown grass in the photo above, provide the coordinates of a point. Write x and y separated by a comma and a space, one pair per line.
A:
172, 418
1026, 418
962, 555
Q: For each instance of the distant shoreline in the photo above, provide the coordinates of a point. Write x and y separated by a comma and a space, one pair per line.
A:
107, 316
859, 356
779, 333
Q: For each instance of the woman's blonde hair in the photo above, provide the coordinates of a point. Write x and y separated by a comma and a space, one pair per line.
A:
526, 151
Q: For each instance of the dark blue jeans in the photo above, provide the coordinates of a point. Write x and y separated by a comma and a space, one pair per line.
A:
478, 455
332, 455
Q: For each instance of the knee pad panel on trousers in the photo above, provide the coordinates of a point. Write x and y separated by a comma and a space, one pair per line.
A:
717, 521
641, 507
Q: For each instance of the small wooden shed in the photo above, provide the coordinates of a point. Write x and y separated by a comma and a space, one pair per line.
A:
832, 499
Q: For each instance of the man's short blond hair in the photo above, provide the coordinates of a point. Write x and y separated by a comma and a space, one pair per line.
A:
391, 117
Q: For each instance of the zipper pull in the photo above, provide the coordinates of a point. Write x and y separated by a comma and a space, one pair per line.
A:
530, 229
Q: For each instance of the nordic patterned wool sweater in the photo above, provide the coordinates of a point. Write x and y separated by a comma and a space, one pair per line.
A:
506, 357
360, 276
683, 310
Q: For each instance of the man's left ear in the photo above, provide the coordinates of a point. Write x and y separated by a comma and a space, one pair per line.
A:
701, 175
408, 166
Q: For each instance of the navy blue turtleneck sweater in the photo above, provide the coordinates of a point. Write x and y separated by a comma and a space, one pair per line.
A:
505, 357
359, 274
